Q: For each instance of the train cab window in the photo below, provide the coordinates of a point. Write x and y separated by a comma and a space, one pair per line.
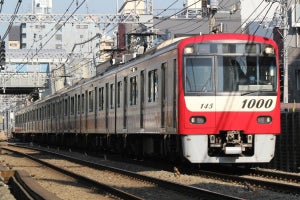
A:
246, 73
101, 98
198, 74
91, 101
152, 86
133, 90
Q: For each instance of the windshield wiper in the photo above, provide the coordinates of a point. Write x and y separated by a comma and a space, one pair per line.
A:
246, 93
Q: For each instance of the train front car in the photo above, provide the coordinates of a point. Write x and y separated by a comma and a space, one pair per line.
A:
229, 101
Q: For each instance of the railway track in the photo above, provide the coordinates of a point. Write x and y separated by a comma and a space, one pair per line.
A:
87, 182
253, 178
181, 191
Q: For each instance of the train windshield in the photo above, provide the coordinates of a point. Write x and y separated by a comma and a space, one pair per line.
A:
229, 71
246, 73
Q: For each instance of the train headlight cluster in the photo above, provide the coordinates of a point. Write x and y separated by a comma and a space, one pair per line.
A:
264, 119
188, 50
197, 120
269, 50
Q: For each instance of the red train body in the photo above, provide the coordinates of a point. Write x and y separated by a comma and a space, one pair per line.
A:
211, 98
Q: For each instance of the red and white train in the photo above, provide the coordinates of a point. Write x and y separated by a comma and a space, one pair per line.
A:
210, 98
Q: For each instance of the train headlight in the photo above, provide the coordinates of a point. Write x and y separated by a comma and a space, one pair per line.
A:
188, 50
269, 50
197, 120
264, 120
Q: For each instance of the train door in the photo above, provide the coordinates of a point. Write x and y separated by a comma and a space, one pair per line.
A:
125, 104
142, 106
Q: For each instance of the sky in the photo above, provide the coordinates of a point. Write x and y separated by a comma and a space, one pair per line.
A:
110, 7
90, 6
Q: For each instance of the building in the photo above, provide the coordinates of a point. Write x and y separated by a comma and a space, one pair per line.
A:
46, 35
289, 44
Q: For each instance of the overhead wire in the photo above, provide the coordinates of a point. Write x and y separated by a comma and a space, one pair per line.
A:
58, 28
38, 50
57, 23
12, 20
117, 25
188, 25
35, 41
263, 18
1, 5
176, 13
249, 17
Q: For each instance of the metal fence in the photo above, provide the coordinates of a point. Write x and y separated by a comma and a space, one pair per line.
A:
287, 154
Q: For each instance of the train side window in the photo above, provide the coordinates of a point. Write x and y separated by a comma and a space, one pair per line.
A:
58, 109
72, 106
152, 86
53, 110
101, 98
91, 101
119, 88
133, 90
49, 111
66, 107
82, 103
112, 96
61, 108
78, 104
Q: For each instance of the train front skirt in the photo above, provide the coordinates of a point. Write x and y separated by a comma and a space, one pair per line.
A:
195, 150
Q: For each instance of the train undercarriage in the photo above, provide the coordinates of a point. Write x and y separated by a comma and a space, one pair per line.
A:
132, 145
227, 147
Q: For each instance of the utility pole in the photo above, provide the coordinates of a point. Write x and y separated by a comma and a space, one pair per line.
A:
285, 52
212, 9
2, 55
285, 27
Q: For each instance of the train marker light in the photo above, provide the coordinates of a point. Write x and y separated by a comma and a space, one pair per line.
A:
212, 139
264, 119
249, 138
197, 120
188, 50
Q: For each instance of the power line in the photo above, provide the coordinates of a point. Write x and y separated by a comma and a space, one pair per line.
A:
264, 17
12, 20
249, 17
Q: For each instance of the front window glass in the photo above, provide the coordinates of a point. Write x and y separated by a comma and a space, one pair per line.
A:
198, 74
229, 67
241, 73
